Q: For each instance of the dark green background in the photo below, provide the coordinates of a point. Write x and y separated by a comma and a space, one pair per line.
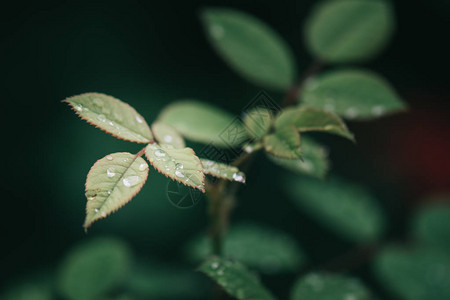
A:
149, 54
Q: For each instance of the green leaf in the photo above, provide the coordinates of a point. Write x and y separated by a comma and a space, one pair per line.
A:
111, 183
258, 122
181, 165
345, 208
266, 249
112, 116
313, 119
223, 171
414, 274
34, 288
431, 226
166, 134
93, 269
355, 94
149, 280
235, 279
314, 160
284, 143
327, 286
203, 123
250, 47
349, 30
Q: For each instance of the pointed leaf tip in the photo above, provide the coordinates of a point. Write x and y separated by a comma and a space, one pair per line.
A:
112, 116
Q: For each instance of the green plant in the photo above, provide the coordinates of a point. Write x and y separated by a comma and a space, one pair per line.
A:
337, 32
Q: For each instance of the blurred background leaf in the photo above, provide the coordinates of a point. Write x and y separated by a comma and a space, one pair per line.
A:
354, 94
235, 279
419, 273
431, 225
250, 47
327, 286
349, 30
257, 246
92, 269
344, 207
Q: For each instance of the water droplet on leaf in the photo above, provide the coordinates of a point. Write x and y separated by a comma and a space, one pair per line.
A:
101, 118
160, 153
131, 181
143, 167
110, 172
178, 173
239, 176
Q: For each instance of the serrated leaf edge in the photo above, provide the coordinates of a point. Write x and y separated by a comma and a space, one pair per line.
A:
176, 179
87, 225
67, 100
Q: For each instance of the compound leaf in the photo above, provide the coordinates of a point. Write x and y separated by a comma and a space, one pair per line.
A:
235, 279
314, 160
284, 143
111, 183
166, 134
92, 269
223, 171
326, 286
112, 116
250, 47
313, 119
181, 165
204, 123
346, 208
353, 94
349, 30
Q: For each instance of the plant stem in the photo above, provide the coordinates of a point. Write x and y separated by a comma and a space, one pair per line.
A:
222, 194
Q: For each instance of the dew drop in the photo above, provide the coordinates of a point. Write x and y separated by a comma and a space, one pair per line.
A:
248, 149
131, 181
111, 123
139, 119
78, 107
109, 157
178, 173
91, 198
160, 153
96, 210
101, 118
109, 192
239, 176
103, 214
168, 138
110, 172
143, 167
179, 166
351, 112
378, 110
98, 101
215, 265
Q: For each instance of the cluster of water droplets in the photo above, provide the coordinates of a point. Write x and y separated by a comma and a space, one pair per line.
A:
232, 284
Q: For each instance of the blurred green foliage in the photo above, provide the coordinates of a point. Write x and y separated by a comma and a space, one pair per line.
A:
121, 48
